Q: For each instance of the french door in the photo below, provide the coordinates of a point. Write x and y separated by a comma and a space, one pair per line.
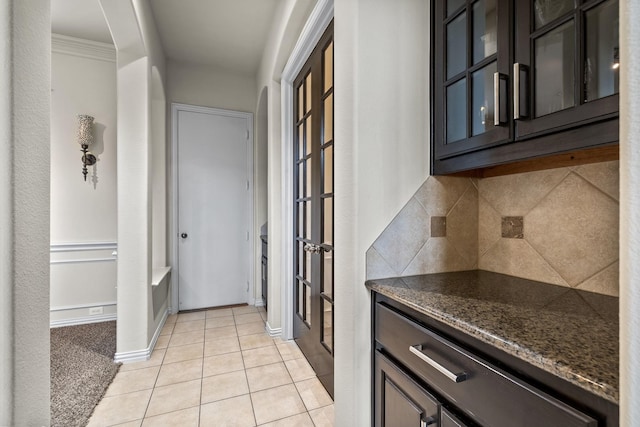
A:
313, 209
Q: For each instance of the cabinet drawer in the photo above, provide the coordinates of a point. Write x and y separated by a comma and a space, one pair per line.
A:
487, 394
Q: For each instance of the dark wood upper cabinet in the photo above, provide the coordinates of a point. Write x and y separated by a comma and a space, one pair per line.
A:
516, 82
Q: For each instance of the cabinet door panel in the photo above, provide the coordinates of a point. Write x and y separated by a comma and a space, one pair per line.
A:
401, 402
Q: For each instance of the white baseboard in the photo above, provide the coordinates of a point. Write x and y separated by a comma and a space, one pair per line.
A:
273, 332
144, 354
259, 302
82, 320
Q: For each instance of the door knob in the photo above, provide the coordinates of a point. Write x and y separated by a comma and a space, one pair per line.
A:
183, 235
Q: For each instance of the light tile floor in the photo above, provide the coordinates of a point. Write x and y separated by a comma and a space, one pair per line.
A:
217, 368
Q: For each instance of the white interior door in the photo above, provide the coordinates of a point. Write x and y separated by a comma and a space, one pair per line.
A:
214, 207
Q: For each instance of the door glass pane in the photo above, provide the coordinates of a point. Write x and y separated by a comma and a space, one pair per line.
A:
307, 85
546, 11
301, 180
482, 110
301, 219
307, 208
327, 326
307, 270
603, 54
328, 67
308, 167
307, 315
300, 101
554, 78
327, 274
328, 169
457, 45
328, 221
301, 260
308, 138
485, 31
453, 5
328, 119
300, 141
300, 299
457, 111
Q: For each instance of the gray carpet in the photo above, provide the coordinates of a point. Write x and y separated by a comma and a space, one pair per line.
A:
82, 368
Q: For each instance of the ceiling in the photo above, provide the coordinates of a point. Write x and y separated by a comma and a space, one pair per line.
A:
226, 34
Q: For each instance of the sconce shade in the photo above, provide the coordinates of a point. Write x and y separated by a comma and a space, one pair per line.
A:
85, 129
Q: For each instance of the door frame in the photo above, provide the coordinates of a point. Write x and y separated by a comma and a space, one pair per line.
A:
174, 226
311, 34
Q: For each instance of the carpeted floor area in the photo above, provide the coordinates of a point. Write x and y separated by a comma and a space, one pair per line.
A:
82, 368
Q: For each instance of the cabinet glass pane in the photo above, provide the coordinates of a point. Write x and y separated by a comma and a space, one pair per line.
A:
453, 5
546, 11
328, 67
554, 68
328, 119
457, 111
457, 45
327, 285
328, 169
603, 54
327, 326
328, 221
482, 108
485, 29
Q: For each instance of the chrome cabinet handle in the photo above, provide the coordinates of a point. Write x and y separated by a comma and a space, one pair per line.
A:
520, 111
499, 110
456, 378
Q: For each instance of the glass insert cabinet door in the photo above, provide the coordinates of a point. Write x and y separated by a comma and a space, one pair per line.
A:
313, 210
471, 71
566, 63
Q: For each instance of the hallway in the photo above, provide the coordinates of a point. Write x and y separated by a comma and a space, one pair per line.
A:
217, 368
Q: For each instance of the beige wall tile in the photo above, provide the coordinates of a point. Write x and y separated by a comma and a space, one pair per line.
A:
488, 226
462, 226
575, 228
604, 282
516, 195
404, 237
377, 266
437, 256
236, 412
517, 258
438, 194
604, 175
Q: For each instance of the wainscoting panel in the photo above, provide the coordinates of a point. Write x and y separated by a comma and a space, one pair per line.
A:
83, 283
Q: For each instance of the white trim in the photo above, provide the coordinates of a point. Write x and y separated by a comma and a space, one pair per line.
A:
259, 302
80, 260
75, 247
82, 320
175, 108
158, 274
83, 48
273, 332
145, 354
78, 306
315, 26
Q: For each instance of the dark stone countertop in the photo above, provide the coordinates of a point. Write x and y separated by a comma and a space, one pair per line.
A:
569, 333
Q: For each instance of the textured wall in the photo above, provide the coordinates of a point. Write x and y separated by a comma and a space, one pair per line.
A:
558, 226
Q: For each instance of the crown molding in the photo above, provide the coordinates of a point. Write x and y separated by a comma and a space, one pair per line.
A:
83, 48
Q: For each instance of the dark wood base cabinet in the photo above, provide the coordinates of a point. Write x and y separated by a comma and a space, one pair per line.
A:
424, 376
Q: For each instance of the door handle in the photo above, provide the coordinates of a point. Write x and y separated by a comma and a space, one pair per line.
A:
311, 248
184, 235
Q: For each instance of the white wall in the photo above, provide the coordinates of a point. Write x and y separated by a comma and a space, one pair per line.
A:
83, 275
25, 55
629, 220
382, 156
210, 87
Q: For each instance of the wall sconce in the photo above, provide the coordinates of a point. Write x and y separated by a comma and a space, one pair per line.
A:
85, 138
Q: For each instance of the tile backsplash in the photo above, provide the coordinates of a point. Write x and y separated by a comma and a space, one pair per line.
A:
558, 226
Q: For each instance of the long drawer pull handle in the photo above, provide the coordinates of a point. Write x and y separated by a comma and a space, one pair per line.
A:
456, 378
